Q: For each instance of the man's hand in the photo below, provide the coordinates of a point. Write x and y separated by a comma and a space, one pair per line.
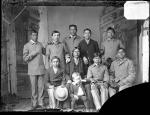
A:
67, 57
51, 86
69, 81
85, 60
76, 97
117, 80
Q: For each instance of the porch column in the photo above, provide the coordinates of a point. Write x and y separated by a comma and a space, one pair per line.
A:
43, 27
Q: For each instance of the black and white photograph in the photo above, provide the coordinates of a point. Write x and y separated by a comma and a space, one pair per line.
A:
71, 55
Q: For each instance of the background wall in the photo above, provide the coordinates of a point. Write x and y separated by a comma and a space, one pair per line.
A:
60, 17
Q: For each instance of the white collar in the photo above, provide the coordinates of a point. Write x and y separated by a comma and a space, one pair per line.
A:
33, 42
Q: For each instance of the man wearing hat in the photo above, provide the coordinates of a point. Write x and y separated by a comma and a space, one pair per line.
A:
98, 74
78, 91
57, 88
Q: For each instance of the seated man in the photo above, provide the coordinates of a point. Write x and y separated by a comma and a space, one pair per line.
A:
98, 74
78, 91
55, 77
123, 73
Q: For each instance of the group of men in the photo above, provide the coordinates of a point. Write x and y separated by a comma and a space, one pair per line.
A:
77, 59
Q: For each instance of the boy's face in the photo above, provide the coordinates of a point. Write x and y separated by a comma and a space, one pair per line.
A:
55, 37
97, 60
76, 53
121, 54
34, 36
76, 77
73, 30
110, 33
87, 34
55, 62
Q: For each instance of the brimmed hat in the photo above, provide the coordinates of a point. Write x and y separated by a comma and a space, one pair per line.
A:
61, 93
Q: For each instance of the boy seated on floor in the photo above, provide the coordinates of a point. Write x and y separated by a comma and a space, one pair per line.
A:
56, 78
77, 92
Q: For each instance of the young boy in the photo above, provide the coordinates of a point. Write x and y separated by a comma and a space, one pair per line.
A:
77, 91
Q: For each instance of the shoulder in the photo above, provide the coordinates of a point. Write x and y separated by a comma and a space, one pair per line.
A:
129, 61
91, 66
93, 41
27, 44
78, 37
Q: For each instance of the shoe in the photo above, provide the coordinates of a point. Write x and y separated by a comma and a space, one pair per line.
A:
40, 107
33, 107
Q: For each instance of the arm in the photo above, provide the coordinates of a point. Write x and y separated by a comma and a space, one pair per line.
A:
121, 44
106, 75
66, 50
26, 57
89, 74
47, 57
96, 47
131, 74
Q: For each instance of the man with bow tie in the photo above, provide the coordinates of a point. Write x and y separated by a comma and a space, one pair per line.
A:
32, 54
73, 39
78, 91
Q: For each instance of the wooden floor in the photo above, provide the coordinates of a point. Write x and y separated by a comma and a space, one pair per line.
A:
18, 104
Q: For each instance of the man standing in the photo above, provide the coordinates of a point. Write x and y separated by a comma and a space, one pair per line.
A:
32, 54
111, 45
73, 39
87, 48
123, 72
56, 48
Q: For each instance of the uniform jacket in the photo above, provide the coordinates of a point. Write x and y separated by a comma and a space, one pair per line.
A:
32, 54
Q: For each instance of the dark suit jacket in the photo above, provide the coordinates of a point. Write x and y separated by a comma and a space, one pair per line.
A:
70, 68
32, 54
55, 79
74, 89
88, 50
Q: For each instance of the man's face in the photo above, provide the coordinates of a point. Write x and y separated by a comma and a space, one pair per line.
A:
55, 37
97, 60
73, 30
121, 54
76, 53
87, 34
34, 36
55, 62
110, 33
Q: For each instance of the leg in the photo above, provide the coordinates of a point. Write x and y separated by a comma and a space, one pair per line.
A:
67, 103
89, 96
111, 91
124, 87
40, 89
33, 80
51, 98
104, 94
73, 100
85, 101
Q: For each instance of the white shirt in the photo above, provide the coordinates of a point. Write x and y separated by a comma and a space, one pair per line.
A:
55, 70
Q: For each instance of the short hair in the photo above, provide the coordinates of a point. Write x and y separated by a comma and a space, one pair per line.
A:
97, 54
122, 49
110, 28
34, 31
75, 73
87, 29
73, 25
55, 31
55, 57
75, 49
